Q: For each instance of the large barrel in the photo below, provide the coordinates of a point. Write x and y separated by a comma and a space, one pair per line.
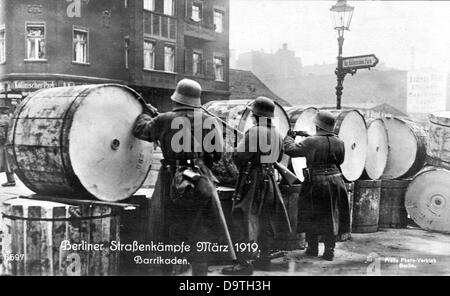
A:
366, 206
407, 148
237, 115
438, 142
75, 141
301, 120
427, 199
377, 149
392, 204
350, 126
42, 231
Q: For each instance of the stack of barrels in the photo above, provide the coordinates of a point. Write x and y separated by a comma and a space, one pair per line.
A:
428, 195
382, 154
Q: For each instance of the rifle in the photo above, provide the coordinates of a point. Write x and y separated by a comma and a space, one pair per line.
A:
290, 177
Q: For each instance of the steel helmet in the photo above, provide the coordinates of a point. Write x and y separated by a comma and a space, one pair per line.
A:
188, 93
325, 120
263, 107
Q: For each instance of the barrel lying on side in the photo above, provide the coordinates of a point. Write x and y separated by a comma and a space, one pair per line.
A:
427, 199
407, 148
78, 140
377, 149
350, 126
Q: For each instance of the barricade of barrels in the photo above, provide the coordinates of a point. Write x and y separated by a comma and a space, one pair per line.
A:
406, 171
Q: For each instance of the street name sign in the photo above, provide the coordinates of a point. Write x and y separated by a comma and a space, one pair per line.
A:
359, 62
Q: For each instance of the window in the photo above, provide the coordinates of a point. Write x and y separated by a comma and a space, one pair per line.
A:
35, 42
2, 44
196, 12
149, 55
218, 20
218, 68
196, 63
80, 46
149, 5
169, 58
168, 7
127, 51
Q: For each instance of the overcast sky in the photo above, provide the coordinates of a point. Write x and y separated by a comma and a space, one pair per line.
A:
392, 30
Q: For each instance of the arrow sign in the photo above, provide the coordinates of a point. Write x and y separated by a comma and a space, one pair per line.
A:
360, 62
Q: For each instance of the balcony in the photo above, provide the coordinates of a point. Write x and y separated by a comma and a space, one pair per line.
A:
200, 30
160, 26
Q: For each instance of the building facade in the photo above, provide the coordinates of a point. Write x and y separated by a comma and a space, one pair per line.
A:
147, 44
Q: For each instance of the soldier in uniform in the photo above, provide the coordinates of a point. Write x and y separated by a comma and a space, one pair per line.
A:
5, 166
180, 212
258, 207
323, 205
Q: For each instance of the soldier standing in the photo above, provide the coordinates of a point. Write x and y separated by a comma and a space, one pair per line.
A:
6, 167
258, 207
181, 203
323, 204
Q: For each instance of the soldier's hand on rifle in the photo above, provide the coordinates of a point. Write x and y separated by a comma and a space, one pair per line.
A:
302, 134
147, 108
291, 133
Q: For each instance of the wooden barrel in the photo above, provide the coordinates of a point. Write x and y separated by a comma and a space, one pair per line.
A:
155, 165
427, 199
438, 141
392, 204
41, 231
77, 141
350, 126
377, 149
302, 119
292, 240
237, 114
366, 206
407, 148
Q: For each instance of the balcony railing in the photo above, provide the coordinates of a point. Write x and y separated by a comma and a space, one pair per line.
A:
199, 30
160, 26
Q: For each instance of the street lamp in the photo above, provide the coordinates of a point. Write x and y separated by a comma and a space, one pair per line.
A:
341, 14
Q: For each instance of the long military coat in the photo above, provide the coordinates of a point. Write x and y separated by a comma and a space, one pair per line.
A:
257, 194
170, 222
323, 204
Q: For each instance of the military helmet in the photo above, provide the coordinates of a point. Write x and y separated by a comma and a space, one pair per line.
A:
325, 120
187, 93
263, 107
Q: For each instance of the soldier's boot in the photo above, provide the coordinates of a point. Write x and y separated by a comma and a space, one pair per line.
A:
328, 254
330, 243
313, 248
240, 267
263, 261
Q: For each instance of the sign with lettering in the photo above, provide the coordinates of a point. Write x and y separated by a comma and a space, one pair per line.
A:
360, 62
33, 84
426, 91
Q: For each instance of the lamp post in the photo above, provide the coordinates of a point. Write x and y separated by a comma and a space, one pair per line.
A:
341, 14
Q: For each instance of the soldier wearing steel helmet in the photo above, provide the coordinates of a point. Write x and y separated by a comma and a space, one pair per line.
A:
181, 209
323, 205
258, 208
